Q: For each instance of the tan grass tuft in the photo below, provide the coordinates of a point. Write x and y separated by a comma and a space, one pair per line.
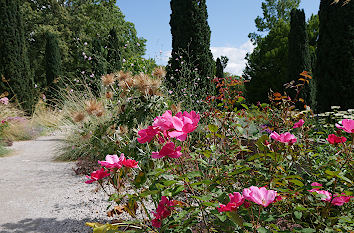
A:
124, 75
108, 79
159, 72
93, 107
79, 116
109, 95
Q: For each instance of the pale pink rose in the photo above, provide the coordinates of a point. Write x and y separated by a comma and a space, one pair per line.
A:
284, 137
348, 125
112, 161
164, 122
183, 124
260, 196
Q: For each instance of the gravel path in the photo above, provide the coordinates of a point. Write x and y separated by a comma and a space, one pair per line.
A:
39, 195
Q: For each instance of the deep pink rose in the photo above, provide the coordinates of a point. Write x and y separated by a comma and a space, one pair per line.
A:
236, 200
333, 139
347, 125
130, 163
169, 150
340, 200
97, 175
163, 210
146, 135
299, 124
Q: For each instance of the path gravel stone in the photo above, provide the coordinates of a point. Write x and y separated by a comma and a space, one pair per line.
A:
38, 194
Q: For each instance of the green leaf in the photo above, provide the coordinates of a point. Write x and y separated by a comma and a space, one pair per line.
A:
213, 128
238, 171
207, 153
297, 182
194, 174
262, 230
298, 214
344, 178
235, 218
169, 182
245, 106
332, 173
177, 190
306, 230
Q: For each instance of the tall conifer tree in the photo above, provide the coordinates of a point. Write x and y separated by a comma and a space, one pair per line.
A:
190, 41
16, 76
52, 59
299, 59
219, 69
334, 73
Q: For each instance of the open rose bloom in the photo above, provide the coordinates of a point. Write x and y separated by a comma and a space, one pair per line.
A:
260, 196
284, 137
165, 128
347, 125
337, 200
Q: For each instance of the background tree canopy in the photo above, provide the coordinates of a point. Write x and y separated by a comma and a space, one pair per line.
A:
93, 36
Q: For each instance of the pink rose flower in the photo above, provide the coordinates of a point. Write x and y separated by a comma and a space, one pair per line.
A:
112, 161
146, 135
169, 150
130, 163
236, 200
164, 122
260, 196
183, 124
333, 139
299, 124
348, 125
326, 196
163, 210
284, 138
340, 200
97, 175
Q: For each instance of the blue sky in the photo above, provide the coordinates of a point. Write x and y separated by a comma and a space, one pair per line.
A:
230, 22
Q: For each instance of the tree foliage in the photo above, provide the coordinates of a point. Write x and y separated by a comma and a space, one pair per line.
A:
266, 66
273, 11
93, 36
298, 51
16, 76
334, 73
190, 41
219, 69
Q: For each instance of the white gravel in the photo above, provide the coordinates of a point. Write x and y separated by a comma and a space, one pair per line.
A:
39, 195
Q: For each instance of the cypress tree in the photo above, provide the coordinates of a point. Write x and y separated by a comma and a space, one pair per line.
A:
190, 41
219, 69
14, 66
52, 62
299, 58
334, 73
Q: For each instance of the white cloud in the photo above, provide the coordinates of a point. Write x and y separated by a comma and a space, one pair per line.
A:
236, 56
